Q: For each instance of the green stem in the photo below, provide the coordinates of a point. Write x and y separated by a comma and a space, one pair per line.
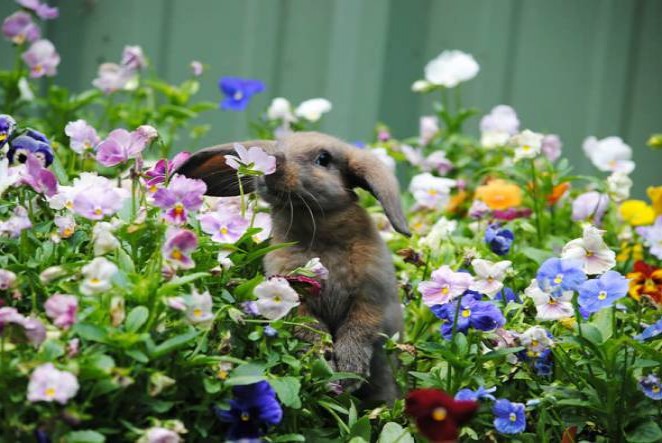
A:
536, 201
241, 195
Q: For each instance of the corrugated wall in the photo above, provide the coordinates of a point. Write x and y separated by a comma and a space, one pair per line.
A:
576, 68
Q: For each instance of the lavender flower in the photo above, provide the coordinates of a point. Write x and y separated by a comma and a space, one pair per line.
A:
652, 236
428, 127
42, 59
62, 309
44, 11
39, 178
275, 298
133, 58
473, 313
597, 294
7, 279
590, 206
197, 68
254, 159
160, 173
651, 387
551, 147
17, 223
97, 205
479, 394
83, 136
445, 285
112, 77
178, 245
50, 384
498, 126
122, 145
181, 196
238, 92
223, 228
20, 28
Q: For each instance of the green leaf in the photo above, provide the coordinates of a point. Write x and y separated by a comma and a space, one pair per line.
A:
137, 355
361, 429
84, 437
175, 283
179, 112
646, 432
537, 255
212, 385
287, 389
125, 262
592, 333
174, 343
288, 438
321, 370
90, 332
393, 432
136, 318
602, 321
244, 380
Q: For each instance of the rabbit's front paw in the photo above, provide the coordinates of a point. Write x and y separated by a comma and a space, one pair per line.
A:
352, 359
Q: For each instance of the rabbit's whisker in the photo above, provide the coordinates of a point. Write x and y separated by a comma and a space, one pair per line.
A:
289, 200
316, 201
312, 219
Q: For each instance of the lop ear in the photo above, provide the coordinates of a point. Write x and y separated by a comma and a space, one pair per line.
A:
368, 172
209, 165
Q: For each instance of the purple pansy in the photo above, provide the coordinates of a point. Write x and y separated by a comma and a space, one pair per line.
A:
499, 239
602, 292
32, 142
162, 170
112, 77
445, 285
17, 223
50, 384
133, 58
39, 178
224, 228
551, 147
7, 126
253, 158
178, 246
238, 92
99, 202
44, 11
122, 145
181, 196
484, 316
556, 275
62, 310
652, 236
590, 206
83, 136
651, 386
42, 59
20, 28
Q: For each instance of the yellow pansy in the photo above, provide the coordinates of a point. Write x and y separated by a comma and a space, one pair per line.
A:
655, 194
628, 251
636, 212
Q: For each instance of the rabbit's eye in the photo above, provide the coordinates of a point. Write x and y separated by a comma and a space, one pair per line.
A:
323, 159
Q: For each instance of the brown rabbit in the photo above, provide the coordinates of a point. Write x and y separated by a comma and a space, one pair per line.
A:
313, 205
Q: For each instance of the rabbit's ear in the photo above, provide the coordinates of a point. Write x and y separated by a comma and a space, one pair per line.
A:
370, 173
209, 166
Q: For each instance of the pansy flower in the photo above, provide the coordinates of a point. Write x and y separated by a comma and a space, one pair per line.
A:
499, 239
253, 408
646, 281
275, 298
556, 275
489, 276
479, 394
548, 306
98, 274
178, 246
223, 228
431, 192
17, 223
180, 196
591, 250
42, 59
651, 387
480, 315
62, 309
600, 293
444, 286
498, 126
609, 154
438, 416
254, 158
19, 28
38, 177
499, 194
590, 206
527, 144
536, 340
238, 92
162, 170
122, 145
313, 109
197, 307
42, 10
82, 135
650, 332
32, 142
7, 279
7, 126
652, 236
50, 384
509, 417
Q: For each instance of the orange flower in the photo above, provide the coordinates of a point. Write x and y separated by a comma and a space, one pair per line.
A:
558, 192
646, 280
500, 194
456, 201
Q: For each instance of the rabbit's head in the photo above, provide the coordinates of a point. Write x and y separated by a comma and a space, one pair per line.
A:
320, 171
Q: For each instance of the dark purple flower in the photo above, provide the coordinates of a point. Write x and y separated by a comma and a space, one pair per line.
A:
544, 363
476, 314
178, 246
162, 170
182, 195
42, 59
238, 92
253, 408
32, 142
20, 28
507, 295
499, 239
7, 126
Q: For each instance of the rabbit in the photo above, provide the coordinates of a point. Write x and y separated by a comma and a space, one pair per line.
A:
313, 204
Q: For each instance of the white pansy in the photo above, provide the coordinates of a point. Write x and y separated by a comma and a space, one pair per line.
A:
281, 109
527, 144
440, 231
536, 340
431, 192
619, 185
313, 109
591, 250
275, 298
610, 154
420, 86
103, 238
489, 276
498, 126
7, 178
450, 68
548, 307
98, 274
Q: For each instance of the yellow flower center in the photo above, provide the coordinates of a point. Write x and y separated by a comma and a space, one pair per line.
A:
223, 230
602, 295
245, 416
176, 254
98, 211
589, 253
38, 69
277, 299
558, 279
222, 374
67, 232
512, 416
655, 389
490, 279
445, 290
49, 392
153, 189
526, 148
179, 209
95, 281
433, 192
197, 313
69, 204
439, 414
466, 313
534, 343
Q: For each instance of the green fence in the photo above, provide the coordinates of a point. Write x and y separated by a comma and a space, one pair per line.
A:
576, 68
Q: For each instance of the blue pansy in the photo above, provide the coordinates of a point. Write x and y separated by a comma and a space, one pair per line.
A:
253, 408
481, 393
602, 292
7, 126
499, 239
557, 275
509, 417
270, 331
507, 295
544, 363
650, 332
476, 314
32, 142
651, 386
238, 92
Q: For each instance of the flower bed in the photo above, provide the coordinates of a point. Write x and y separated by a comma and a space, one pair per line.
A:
135, 308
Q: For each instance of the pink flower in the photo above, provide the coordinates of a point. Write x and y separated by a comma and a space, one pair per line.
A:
73, 346
428, 128
223, 228
44, 11
590, 206
83, 136
133, 58
197, 68
50, 384
62, 309
20, 28
27, 328
255, 159
112, 77
16, 223
437, 161
122, 145
182, 195
66, 225
178, 245
160, 173
39, 178
161, 435
7, 279
551, 147
42, 59
445, 285
98, 204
